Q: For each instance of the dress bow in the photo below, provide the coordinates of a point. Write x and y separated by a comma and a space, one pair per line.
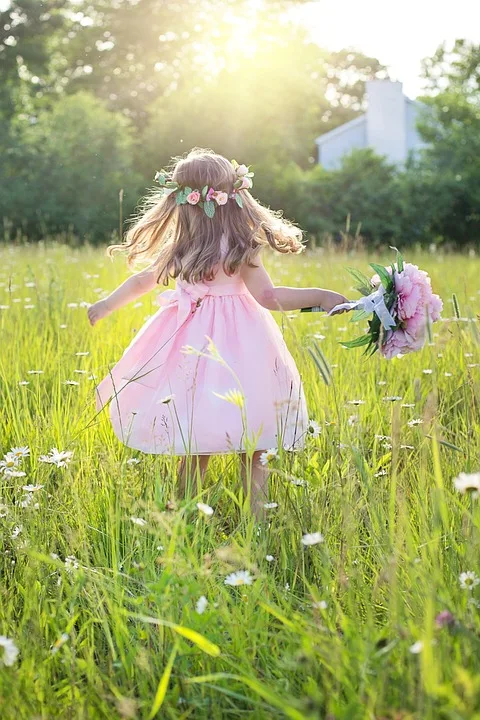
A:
186, 296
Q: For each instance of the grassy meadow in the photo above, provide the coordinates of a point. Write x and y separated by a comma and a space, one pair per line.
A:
104, 609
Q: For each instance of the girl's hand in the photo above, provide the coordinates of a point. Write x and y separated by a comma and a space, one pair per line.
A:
330, 299
98, 311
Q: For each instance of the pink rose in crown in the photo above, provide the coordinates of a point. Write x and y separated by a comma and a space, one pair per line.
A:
242, 170
193, 198
221, 198
246, 183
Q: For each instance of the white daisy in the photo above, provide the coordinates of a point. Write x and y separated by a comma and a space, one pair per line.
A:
468, 580
9, 462
355, 402
3, 510
201, 604
380, 473
415, 421
269, 558
16, 531
241, 577
14, 473
35, 372
313, 429
32, 488
320, 605
138, 521
205, 509
270, 505
58, 643
427, 371
60, 458
408, 405
132, 461
71, 563
70, 382
82, 354
312, 539
10, 651
167, 399
416, 648
24, 382
269, 455
20, 452
468, 483
392, 398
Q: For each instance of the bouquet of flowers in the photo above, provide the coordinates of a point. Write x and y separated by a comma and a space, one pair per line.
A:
403, 306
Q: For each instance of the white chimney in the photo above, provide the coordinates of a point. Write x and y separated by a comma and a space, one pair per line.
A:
386, 119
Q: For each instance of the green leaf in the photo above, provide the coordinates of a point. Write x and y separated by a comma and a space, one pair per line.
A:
163, 685
160, 178
192, 635
237, 183
180, 197
238, 200
209, 208
358, 342
235, 164
384, 275
400, 267
187, 191
364, 285
204, 191
359, 315
171, 184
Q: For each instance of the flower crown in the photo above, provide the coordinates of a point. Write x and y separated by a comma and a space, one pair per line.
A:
207, 198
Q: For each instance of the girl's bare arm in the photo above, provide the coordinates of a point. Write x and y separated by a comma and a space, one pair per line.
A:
260, 285
133, 288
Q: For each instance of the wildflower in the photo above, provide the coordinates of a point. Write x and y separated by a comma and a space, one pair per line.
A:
270, 505
241, 577
353, 420
320, 605
416, 648
24, 382
14, 473
70, 382
427, 371
82, 354
380, 473
269, 455
468, 483
408, 405
20, 452
269, 558
297, 482
312, 539
71, 563
10, 651
166, 400
392, 398
407, 447
32, 488
415, 421
3, 510
16, 531
448, 374
58, 643
25, 500
313, 429
355, 402
468, 580
133, 461
205, 509
81, 372
138, 521
382, 382
35, 372
444, 618
201, 604
232, 396
60, 458
9, 462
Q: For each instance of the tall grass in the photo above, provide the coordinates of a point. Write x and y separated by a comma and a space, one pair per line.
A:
347, 628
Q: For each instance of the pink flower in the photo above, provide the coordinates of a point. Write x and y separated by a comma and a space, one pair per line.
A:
220, 198
242, 170
193, 198
210, 195
246, 184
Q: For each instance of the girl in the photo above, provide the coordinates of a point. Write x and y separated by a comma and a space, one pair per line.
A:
209, 373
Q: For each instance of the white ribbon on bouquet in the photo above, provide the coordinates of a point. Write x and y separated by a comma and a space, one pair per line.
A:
373, 303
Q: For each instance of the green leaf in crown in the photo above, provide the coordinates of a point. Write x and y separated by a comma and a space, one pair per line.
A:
209, 207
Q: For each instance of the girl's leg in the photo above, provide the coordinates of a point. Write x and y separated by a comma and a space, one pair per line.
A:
255, 479
194, 469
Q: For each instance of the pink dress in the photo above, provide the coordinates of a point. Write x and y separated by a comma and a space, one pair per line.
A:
168, 389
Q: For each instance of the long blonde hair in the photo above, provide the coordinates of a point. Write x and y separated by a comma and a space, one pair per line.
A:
183, 242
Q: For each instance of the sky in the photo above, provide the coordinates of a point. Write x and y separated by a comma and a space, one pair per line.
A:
399, 33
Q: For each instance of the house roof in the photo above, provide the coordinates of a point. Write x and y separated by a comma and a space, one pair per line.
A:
341, 128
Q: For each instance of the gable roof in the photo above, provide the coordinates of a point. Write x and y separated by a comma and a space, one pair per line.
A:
341, 128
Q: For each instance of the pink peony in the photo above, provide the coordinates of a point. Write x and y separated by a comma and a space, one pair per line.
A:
221, 198
193, 198
246, 184
242, 170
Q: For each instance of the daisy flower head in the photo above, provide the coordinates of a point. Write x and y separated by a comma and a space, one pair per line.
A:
313, 429
270, 505
312, 539
416, 648
138, 521
201, 604
9, 462
268, 456
468, 580
241, 577
32, 488
60, 458
468, 483
205, 509
10, 651
20, 452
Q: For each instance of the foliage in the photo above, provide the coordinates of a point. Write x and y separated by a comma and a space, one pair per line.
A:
343, 629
